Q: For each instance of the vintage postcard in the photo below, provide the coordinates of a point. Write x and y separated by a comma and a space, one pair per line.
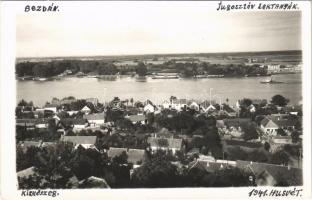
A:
155, 99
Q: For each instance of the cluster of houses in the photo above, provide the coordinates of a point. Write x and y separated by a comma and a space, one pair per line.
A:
230, 128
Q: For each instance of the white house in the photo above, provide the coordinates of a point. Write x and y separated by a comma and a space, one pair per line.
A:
86, 110
194, 106
272, 123
274, 68
252, 108
166, 104
71, 112
51, 107
179, 104
148, 108
42, 123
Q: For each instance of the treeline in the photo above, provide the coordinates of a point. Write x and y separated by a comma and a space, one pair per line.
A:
53, 68
100, 67
192, 69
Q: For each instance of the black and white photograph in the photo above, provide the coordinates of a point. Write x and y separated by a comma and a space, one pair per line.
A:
154, 95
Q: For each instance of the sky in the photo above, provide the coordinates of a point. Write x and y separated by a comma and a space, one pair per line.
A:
114, 29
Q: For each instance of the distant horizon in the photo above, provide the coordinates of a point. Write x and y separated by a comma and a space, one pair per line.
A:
161, 54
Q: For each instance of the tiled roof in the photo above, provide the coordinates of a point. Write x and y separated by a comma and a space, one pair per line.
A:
265, 121
179, 101
282, 137
137, 118
33, 121
207, 166
206, 103
26, 172
79, 121
236, 122
277, 171
228, 109
279, 120
172, 142
26, 144
284, 122
46, 144
243, 143
135, 155
94, 182
95, 116
51, 106
80, 139
113, 151
259, 101
86, 108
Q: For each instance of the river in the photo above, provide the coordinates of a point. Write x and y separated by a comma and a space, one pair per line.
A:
158, 90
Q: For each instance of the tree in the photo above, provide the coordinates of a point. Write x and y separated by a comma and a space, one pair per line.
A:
155, 173
138, 104
51, 165
124, 124
281, 132
232, 177
162, 142
113, 115
257, 156
25, 103
141, 69
246, 102
280, 158
267, 146
173, 98
237, 153
295, 136
250, 132
227, 100
279, 100
121, 159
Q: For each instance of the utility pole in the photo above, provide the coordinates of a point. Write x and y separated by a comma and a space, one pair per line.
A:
210, 89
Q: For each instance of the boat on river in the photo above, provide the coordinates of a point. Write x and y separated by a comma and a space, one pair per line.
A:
165, 77
270, 81
210, 76
42, 79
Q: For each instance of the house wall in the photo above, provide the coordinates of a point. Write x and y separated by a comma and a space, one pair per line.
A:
79, 126
41, 125
174, 150
149, 108
97, 121
269, 130
166, 105
51, 109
